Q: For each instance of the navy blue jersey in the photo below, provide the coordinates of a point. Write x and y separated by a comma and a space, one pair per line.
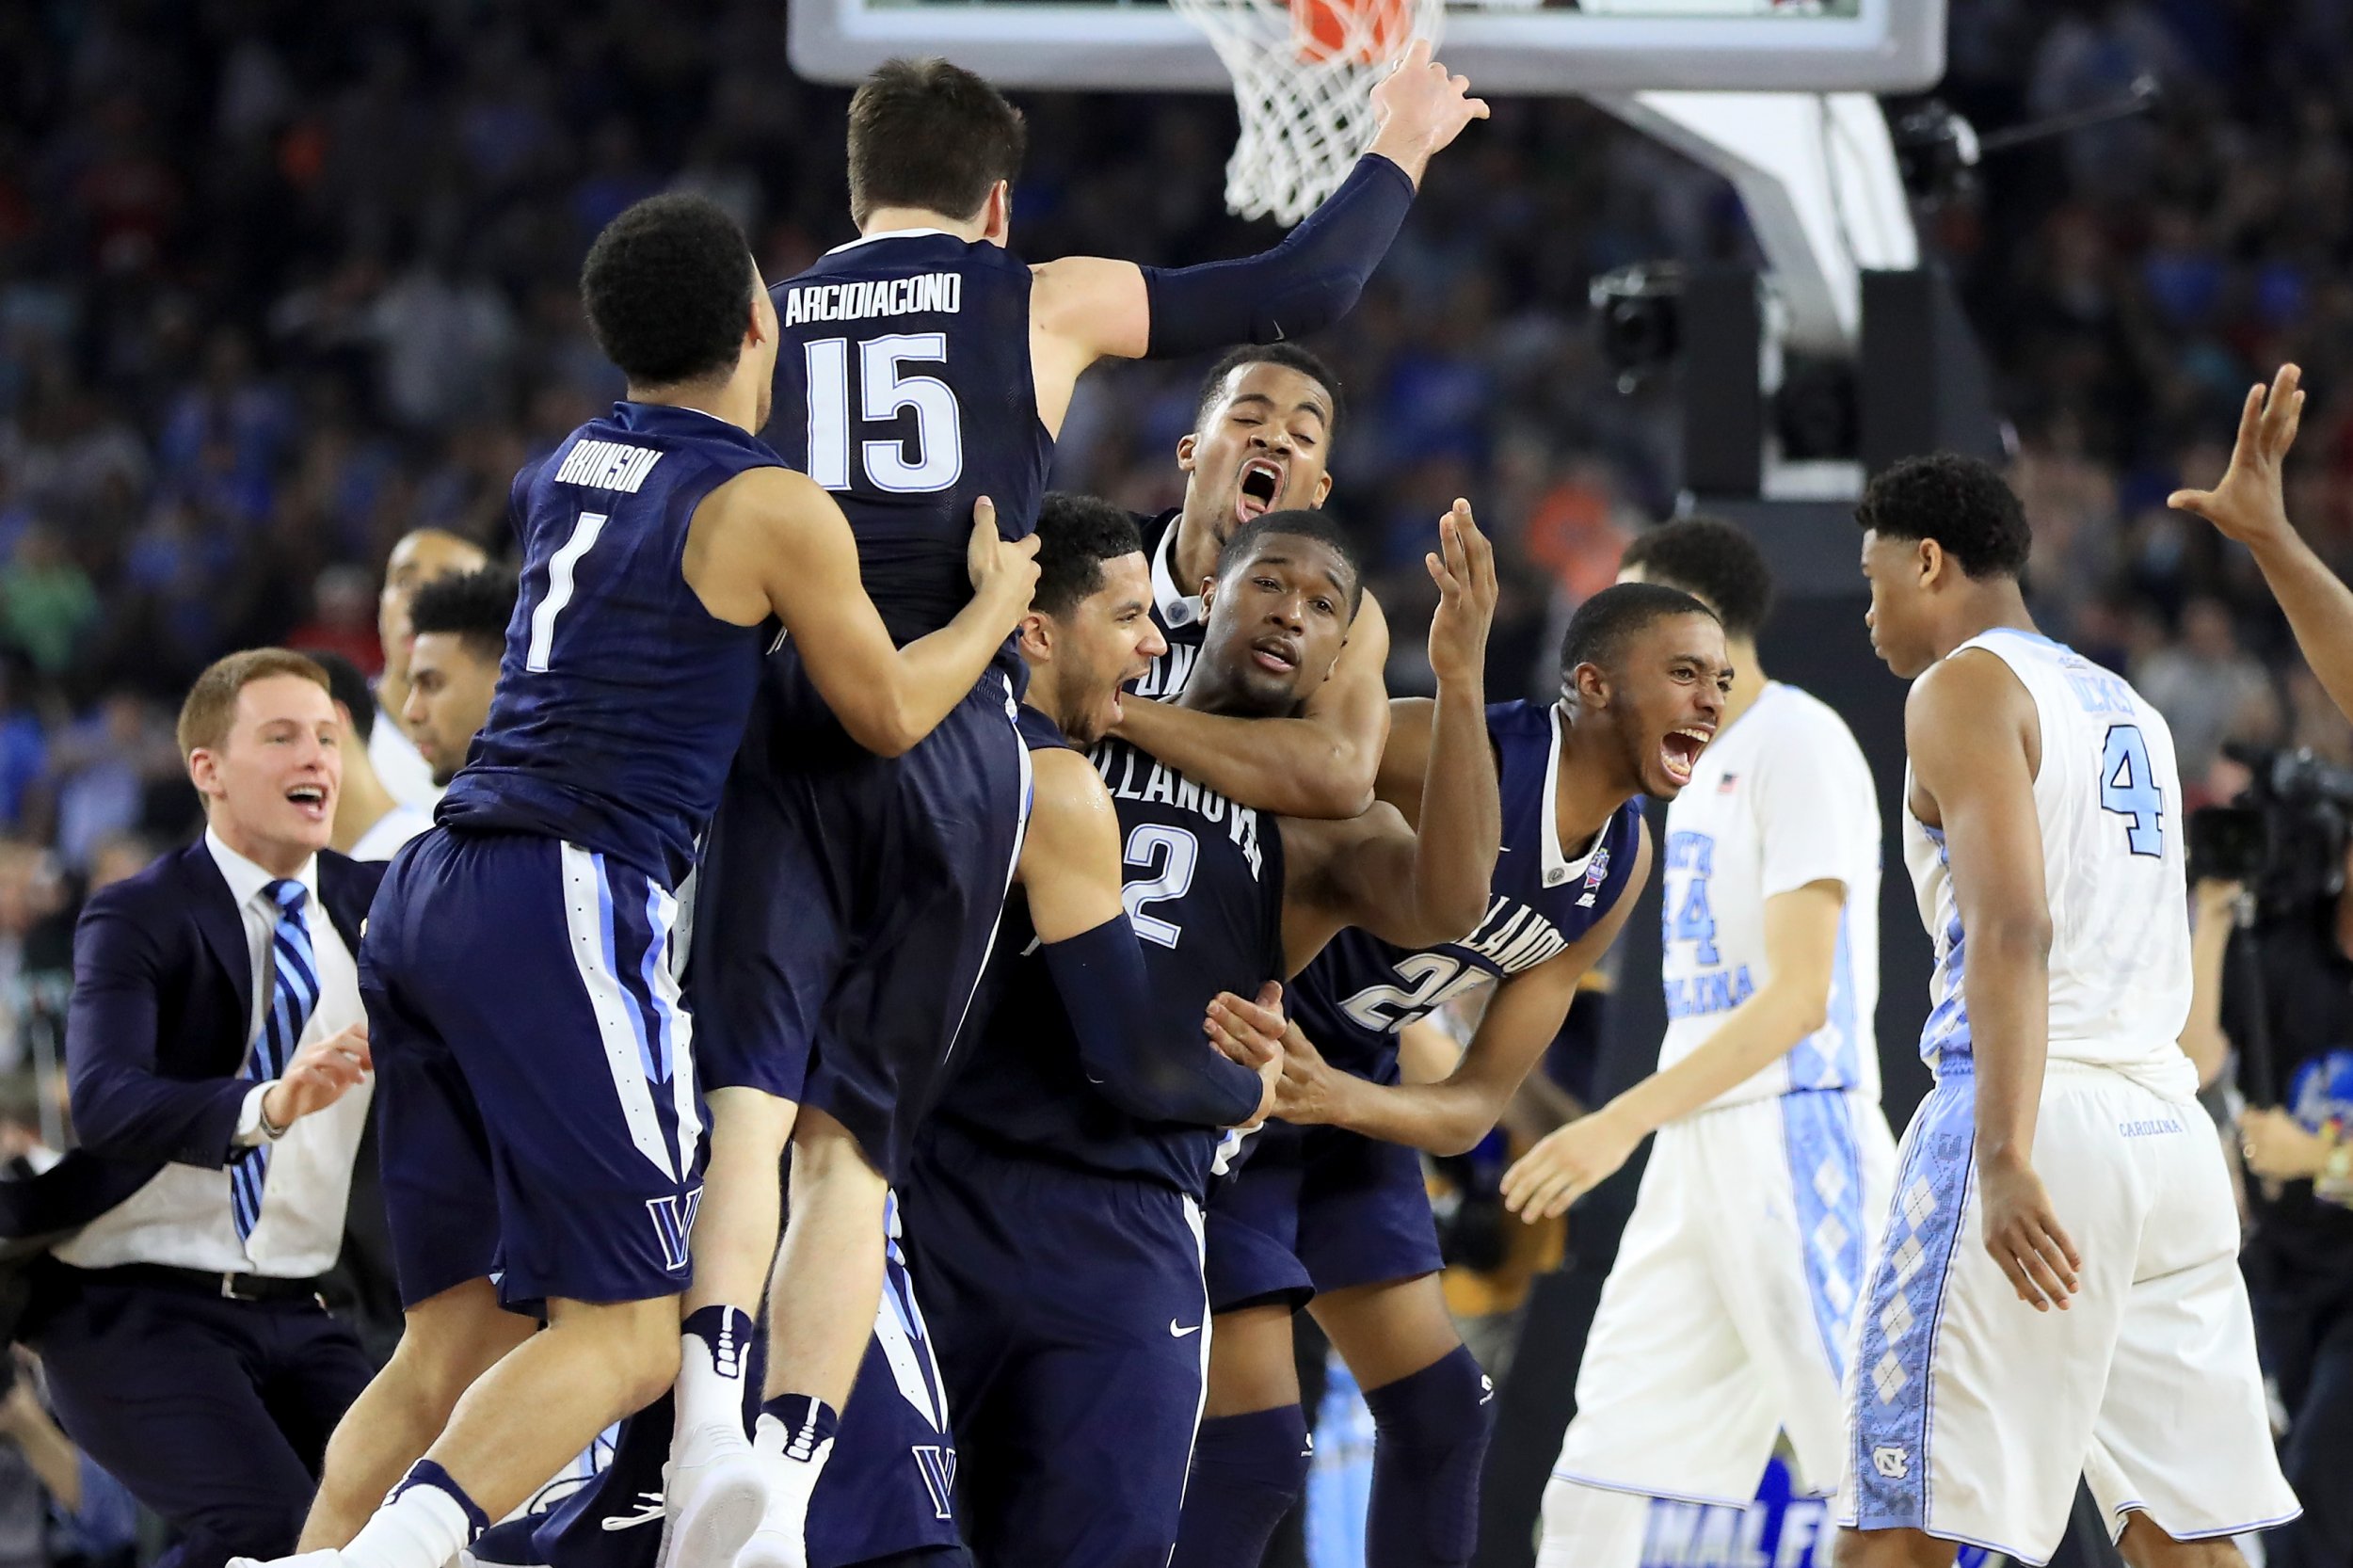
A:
903, 387
1175, 609
1360, 990
620, 698
1206, 896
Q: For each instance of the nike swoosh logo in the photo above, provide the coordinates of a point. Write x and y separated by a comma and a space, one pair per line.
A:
1175, 1333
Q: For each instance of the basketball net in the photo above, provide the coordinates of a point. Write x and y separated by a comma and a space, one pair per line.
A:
1303, 73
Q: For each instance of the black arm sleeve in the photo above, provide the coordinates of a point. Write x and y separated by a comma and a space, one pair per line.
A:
1145, 1059
1308, 282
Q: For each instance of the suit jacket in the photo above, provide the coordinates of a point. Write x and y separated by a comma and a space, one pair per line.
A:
158, 1029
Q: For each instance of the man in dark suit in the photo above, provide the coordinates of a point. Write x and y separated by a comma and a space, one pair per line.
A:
218, 1054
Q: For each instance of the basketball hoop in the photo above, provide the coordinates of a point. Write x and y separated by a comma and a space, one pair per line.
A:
1304, 72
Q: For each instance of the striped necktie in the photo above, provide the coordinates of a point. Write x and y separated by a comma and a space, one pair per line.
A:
294, 994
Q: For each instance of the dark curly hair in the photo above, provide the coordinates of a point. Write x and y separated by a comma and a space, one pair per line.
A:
1602, 626
666, 286
1288, 355
1297, 523
930, 135
1076, 534
1962, 502
1716, 561
472, 606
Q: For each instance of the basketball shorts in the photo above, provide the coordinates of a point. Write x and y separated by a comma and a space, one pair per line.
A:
1727, 1317
538, 1115
886, 1491
847, 904
1317, 1208
1971, 1414
1074, 1329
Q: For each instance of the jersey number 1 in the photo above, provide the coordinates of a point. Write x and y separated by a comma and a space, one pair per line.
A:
931, 458
2129, 788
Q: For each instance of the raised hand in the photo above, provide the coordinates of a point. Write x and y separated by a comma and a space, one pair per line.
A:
2247, 504
1003, 571
1464, 567
1418, 110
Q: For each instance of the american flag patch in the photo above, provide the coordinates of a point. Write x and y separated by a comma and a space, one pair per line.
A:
1724, 784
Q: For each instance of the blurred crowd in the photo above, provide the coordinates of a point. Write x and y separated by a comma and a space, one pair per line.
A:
280, 282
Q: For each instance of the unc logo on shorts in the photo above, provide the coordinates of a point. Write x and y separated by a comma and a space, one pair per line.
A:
938, 1467
1894, 1464
673, 1223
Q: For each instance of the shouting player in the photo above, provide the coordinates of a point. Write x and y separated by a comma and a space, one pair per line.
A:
1261, 440
538, 1101
1997, 1360
921, 364
1726, 1318
1332, 1206
1075, 1340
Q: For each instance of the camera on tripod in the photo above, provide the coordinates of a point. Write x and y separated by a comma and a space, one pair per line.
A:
2284, 837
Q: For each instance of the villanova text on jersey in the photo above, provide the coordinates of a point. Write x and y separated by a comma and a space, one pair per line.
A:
1132, 775
904, 388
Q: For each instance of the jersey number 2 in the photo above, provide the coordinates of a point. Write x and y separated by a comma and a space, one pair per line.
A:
1169, 853
2128, 788
932, 458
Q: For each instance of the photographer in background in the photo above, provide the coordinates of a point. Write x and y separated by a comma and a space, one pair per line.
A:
2272, 959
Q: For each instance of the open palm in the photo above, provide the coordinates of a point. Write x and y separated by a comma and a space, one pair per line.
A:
2247, 504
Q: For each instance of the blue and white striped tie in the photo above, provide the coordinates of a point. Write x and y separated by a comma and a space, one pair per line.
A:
294, 994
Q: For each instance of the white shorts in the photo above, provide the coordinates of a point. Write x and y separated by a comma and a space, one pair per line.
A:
1727, 1317
1972, 1413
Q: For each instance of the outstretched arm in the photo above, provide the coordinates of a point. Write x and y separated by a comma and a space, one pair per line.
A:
2249, 506
1969, 725
1084, 308
1143, 1051
1802, 955
770, 540
1320, 765
1451, 1115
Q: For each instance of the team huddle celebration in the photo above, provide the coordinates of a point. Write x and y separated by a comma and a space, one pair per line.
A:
912, 992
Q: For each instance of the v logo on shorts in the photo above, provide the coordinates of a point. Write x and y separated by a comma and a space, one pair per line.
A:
673, 1223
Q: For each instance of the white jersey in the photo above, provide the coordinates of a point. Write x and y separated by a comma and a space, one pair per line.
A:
398, 762
395, 829
2108, 799
1781, 799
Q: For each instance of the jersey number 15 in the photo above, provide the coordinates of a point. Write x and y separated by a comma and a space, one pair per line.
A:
930, 458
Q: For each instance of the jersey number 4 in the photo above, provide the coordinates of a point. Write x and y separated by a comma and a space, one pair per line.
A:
2128, 787
930, 458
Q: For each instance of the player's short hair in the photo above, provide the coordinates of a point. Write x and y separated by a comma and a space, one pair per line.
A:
1605, 623
210, 707
1713, 560
1290, 355
1076, 534
347, 685
1303, 524
1963, 503
666, 286
474, 606
930, 135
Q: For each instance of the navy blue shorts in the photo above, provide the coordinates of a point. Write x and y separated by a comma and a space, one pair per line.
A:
847, 904
536, 1094
887, 1494
1072, 1323
1317, 1208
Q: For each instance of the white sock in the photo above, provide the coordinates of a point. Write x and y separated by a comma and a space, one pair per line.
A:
422, 1528
792, 1480
712, 1349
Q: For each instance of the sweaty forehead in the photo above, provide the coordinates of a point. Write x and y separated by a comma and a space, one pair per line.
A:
1672, 638
1279, 388
1298, 556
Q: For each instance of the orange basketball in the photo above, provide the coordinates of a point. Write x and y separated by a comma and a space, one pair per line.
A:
1363, 30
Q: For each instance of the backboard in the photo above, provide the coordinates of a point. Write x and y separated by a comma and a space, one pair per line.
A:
1504, 46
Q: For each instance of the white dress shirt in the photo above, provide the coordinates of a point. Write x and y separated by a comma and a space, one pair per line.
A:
182, 1216
393, 829
400, 764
